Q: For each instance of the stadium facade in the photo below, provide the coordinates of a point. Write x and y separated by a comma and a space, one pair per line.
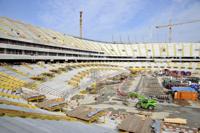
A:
24, 42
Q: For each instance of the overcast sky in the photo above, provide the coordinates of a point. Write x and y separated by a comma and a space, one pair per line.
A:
105, 20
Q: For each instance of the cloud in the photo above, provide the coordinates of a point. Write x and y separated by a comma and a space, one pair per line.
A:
135, 18
186, 11
99, 16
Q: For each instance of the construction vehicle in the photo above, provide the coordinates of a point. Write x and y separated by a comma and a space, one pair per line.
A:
143, 102
146, 103
134, 71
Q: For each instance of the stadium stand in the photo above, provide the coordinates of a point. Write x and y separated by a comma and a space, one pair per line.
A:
41, 69
54, 46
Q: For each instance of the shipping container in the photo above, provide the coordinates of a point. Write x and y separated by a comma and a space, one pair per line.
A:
186, 95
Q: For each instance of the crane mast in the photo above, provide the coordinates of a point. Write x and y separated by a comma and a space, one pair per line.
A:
171, 25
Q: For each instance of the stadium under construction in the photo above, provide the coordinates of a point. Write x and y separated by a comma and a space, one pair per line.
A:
53, 82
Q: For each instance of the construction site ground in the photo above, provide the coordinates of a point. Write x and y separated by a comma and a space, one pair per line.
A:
107, 98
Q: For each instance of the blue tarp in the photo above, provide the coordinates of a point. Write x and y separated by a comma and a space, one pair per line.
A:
183, 89
195, 86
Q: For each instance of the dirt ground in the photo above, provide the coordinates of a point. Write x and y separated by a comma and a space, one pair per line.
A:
191, 114
173, 110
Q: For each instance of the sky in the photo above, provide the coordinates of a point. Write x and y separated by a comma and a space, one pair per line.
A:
110, 20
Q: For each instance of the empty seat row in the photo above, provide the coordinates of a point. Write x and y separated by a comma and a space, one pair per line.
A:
9, 82
75, 80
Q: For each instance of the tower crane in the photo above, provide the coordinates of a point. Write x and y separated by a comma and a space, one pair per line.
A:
170, 25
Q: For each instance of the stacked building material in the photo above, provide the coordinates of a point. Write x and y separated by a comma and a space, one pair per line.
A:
175, 120
177, 128
136, 124
53, 104
86, 113
172, 126
31, 97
